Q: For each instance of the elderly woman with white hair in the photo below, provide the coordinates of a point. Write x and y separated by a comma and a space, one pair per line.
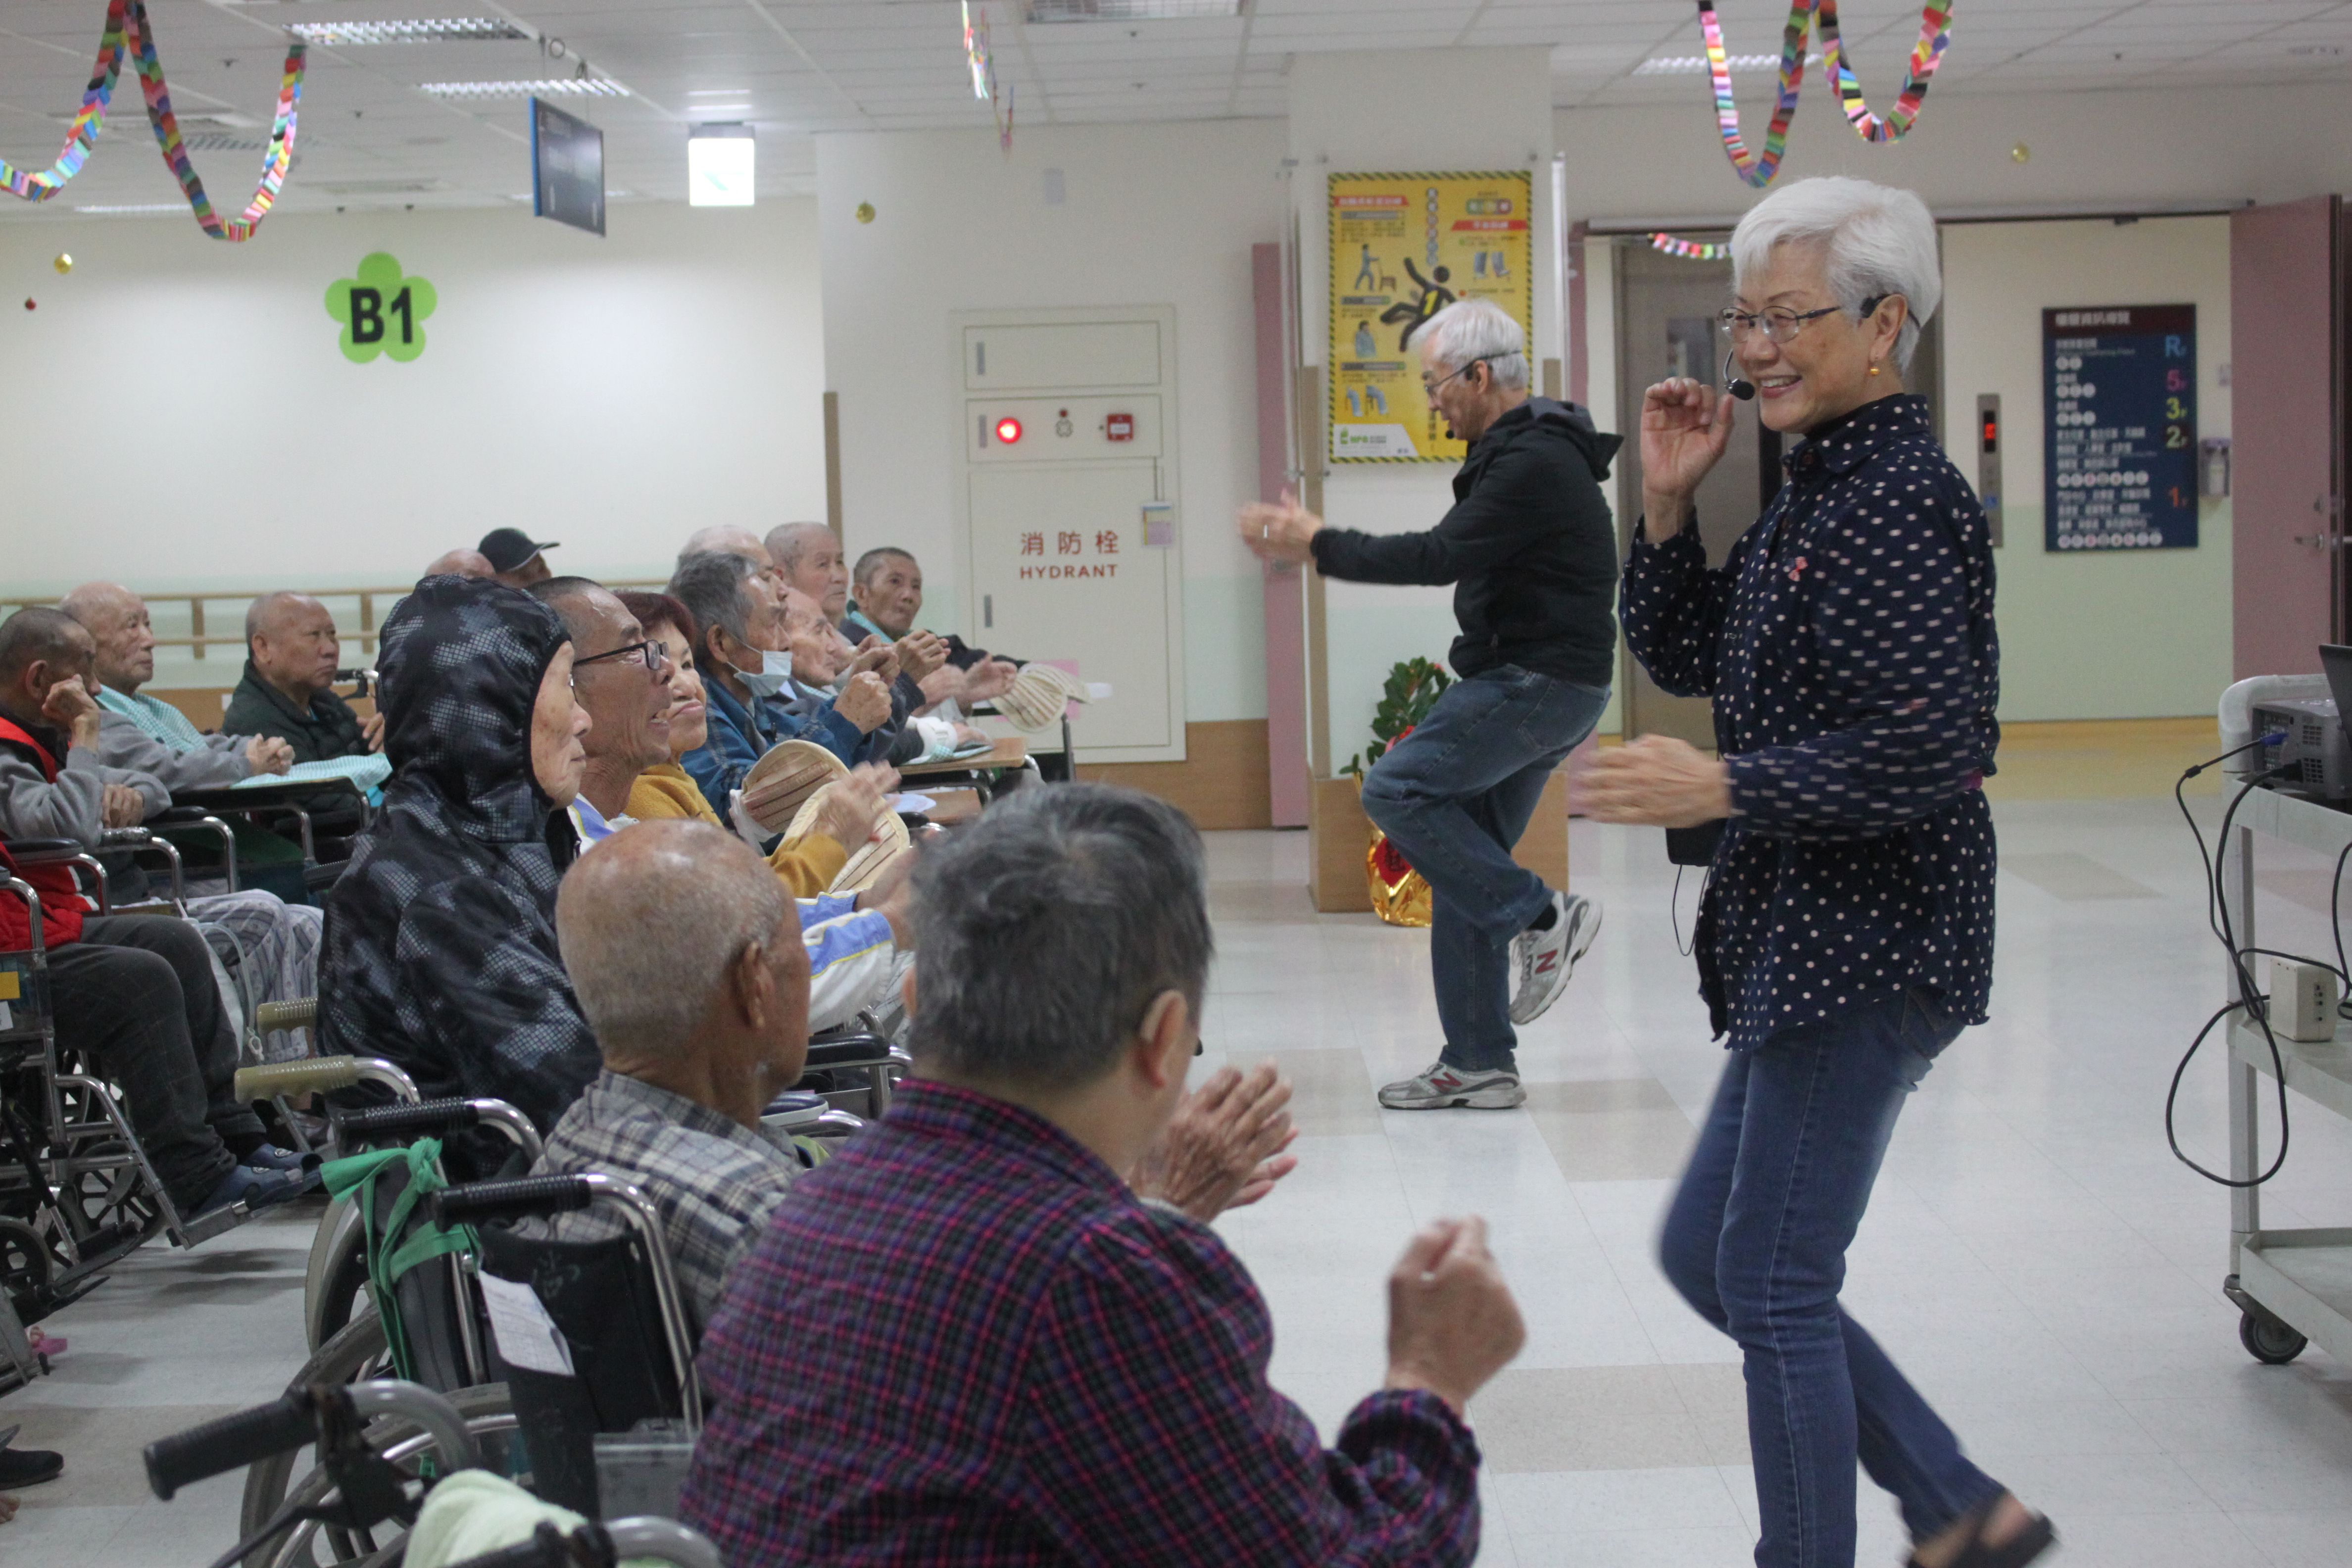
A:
1846, 937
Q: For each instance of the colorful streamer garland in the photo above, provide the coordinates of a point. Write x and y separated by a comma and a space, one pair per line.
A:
128, 31
1758, 169
1690, 249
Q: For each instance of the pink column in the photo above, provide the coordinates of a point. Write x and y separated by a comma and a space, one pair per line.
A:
1285, 617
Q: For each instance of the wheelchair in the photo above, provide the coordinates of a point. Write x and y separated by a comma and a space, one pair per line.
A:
386, 1447
77, 1190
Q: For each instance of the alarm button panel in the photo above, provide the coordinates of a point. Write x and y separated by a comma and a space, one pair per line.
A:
1049, 429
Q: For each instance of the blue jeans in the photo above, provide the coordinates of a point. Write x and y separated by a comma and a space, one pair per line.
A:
1454, 796
1755, 1241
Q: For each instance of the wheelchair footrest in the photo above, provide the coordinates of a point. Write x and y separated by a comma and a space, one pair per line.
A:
205, 1226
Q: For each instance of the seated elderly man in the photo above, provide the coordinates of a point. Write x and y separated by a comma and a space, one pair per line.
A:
145, 735
739, 613
680, 943
63, 786
1050, 1369
440, 952
812, 559
822, 659
621, 676
889, 586
136, 992
287, 689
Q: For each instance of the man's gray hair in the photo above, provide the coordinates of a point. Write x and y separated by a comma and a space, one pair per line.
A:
1047, 927
569, 598
720, 539
1876, 241
35, 633
259, 612
649, 920
788, 542
711, 587
874, 559
1469, 330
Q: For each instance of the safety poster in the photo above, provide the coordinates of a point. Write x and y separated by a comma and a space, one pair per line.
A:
2119, 428
1404, 246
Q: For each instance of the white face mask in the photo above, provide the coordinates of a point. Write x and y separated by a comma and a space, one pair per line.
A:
773, 675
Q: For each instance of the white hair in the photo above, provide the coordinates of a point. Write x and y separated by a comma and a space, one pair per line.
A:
1469, 330
1876, 241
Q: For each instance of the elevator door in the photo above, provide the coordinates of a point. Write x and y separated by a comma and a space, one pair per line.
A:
1667, 311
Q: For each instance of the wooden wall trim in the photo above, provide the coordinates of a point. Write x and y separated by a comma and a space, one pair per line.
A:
1221, 783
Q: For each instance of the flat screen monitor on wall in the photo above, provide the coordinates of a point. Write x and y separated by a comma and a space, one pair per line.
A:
567, 168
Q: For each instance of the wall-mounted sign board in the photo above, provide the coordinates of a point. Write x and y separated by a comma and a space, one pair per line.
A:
1404, 246
2119, 428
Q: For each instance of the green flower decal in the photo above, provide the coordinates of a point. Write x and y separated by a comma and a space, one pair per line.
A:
382, 312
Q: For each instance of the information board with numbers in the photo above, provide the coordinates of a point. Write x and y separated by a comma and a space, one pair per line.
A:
2119, 428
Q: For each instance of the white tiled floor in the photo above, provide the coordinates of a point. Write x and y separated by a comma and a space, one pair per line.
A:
2034, 1257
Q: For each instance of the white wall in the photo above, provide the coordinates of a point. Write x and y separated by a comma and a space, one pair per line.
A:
180, 417
1369, 112
1151, 215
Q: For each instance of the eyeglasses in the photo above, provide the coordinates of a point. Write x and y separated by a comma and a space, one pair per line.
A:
1429, 388
651, 655
1779, 324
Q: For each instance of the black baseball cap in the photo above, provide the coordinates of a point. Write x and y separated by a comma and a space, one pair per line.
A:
508, 548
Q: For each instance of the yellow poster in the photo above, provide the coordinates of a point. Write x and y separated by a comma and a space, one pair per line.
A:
1404, 246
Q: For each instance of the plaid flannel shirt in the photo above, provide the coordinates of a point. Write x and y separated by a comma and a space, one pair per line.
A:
964, 1341
714, 1180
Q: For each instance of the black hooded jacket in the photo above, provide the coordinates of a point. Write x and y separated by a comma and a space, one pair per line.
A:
1529, 544
439, 954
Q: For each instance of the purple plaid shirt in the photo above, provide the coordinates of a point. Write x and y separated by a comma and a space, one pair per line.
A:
964, 1341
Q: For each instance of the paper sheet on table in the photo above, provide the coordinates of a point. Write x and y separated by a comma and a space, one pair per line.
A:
912, 804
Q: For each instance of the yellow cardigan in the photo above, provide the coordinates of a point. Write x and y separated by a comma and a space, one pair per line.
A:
807, 863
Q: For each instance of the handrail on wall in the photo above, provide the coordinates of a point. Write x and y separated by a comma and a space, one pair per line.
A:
200, 639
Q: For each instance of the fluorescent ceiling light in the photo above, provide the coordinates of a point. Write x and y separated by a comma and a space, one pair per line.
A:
1127, 10
429, 30
577, 86
139, 207
719, 166
1695, 65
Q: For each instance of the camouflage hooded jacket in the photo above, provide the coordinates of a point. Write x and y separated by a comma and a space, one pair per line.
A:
440, 952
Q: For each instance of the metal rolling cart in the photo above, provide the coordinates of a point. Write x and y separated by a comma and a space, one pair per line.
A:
2291, 1285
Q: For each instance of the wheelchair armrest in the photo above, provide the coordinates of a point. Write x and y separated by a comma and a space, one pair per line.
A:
40, 851
178, 817
847, 1048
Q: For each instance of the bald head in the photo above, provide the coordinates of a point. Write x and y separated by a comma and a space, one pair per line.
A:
653, 923
116, 619
293, 643
461, 563
726, 539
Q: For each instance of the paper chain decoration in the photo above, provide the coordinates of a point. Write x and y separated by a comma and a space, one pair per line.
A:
1758, 169
983, 76
1690, 249
128, 32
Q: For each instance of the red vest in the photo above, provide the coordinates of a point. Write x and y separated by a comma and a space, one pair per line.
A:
62, 904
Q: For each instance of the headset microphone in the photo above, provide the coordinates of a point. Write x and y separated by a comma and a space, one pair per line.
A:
1738, 387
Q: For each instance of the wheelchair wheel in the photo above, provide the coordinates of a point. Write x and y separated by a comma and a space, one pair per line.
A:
335, 1284
114, 1202
25, 1265
489, 1412
357, 1353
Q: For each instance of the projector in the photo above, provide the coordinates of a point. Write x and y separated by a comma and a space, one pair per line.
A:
2318, 757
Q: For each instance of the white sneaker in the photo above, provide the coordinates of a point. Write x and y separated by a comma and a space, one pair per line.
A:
1442, 1087
1547, 957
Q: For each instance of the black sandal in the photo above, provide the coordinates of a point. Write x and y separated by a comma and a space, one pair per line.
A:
2038, 1537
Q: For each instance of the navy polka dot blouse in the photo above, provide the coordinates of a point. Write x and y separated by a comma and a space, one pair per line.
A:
1848, 643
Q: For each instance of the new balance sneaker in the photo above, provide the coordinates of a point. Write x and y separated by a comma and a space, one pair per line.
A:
1443, 1086
1547, 957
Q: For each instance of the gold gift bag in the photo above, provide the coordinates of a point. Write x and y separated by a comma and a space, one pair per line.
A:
1400, 893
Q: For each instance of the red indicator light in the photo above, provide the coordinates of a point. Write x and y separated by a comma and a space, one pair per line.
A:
1008, 430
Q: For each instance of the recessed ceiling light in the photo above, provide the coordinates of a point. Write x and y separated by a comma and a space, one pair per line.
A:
720, 166
139, 207
429, 30
1695, 65
576, 86
1127, 10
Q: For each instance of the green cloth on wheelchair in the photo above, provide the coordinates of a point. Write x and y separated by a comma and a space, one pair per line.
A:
401, 1245
474, 1514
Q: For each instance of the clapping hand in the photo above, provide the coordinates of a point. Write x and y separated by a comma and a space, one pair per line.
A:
1453, 1322
1656, 782
1686, 429
1282, 531
1224, 1147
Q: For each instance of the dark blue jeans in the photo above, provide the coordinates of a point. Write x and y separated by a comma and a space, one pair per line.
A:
1755, 1241
1454, 796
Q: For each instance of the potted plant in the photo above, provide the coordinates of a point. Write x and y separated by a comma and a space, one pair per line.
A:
1400, 894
